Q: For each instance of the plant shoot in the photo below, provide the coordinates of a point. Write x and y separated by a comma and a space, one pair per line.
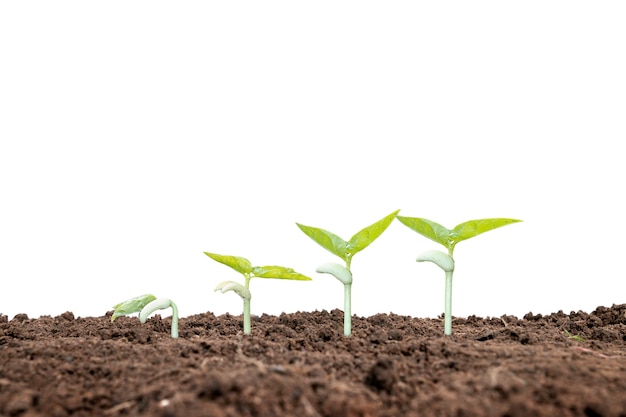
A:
346, 250
449, 239
145, 305
245, 268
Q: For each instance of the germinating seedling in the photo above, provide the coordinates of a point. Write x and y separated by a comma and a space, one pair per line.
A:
145, 305
244, 267
449, 239
574, 336
346, 250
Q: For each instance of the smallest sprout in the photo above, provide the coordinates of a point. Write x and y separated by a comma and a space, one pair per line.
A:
145, 305
574, 336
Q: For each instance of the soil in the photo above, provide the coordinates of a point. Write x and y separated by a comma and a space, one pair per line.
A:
301, 365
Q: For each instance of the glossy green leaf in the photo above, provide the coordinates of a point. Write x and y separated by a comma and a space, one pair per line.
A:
237, 263
427, 228
366, 236
475, 227
278, 272
329, 241
449, 238
134, 305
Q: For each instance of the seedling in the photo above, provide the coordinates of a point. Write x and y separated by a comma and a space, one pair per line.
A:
145, 305
346, 250
449, 239
574, 336
244, 267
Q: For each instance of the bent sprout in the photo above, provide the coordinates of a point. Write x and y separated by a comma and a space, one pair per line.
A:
145, 305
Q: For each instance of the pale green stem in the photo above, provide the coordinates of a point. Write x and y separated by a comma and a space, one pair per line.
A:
174, 320
246, 308
161, 304
447, 320
347, 309
246, 316
347, 303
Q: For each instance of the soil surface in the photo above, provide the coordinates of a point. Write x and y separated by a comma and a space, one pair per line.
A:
301, 365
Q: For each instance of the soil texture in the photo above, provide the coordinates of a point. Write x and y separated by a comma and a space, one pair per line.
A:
301, 365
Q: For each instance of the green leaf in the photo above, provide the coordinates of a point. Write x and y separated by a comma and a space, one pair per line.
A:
449, 238
278, 272
366, 236
134, 305
427, 228
237, 263
475, 227
327, 240
574, 336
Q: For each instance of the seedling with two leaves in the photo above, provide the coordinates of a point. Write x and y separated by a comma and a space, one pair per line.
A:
346, 250
145, 305
576, 337
245, 268
449, 239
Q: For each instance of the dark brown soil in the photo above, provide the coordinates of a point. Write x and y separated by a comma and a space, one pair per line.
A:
301, 365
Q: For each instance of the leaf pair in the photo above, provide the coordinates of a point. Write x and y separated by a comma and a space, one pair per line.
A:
358, 242
243, 266
449, 238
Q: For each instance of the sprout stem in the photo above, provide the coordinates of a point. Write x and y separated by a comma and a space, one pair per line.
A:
174, 320
246, 316
447, 321
347, 309
347, 301
246, 305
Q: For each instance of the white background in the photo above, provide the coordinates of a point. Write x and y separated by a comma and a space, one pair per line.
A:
135, 135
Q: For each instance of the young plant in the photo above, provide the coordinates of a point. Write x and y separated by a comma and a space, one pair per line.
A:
449, 239
145, 305
245, 268
574, 336
346, 250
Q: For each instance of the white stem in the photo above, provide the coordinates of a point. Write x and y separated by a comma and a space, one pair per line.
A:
161, 304
347, 309
246, 316
447, 320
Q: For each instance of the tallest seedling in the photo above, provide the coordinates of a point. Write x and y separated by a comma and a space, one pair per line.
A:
449, 239
346, 250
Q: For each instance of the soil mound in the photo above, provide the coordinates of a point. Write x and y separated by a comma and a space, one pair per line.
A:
301, 365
